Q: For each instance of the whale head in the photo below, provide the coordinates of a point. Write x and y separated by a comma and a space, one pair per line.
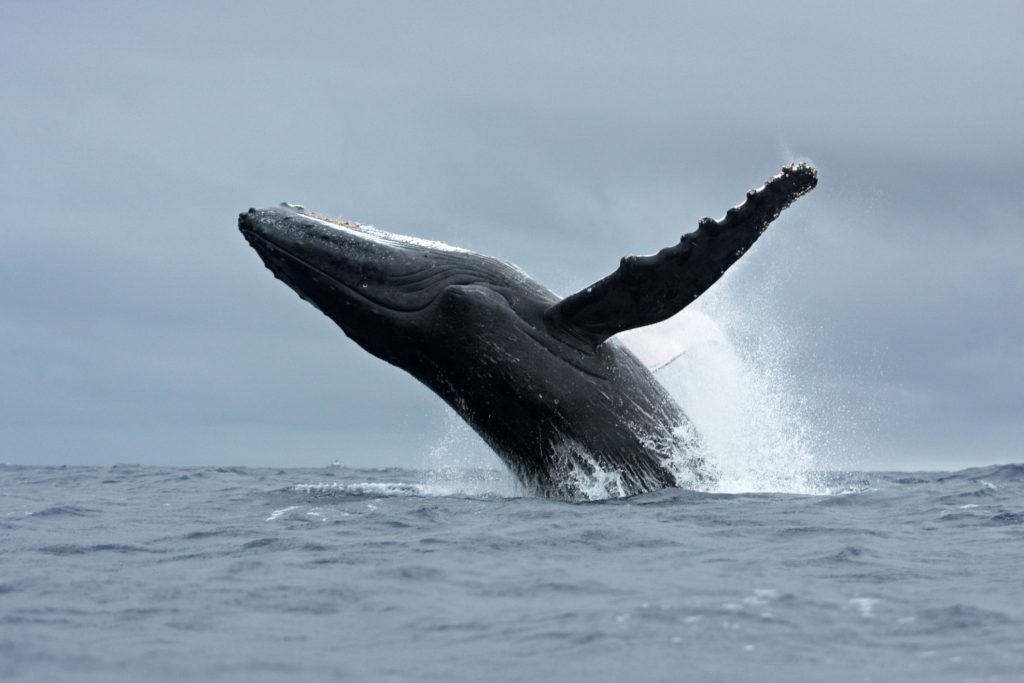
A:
383, 289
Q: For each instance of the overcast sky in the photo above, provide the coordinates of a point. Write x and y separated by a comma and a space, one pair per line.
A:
137, 326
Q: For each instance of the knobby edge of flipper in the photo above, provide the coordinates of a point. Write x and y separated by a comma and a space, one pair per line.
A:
648, 289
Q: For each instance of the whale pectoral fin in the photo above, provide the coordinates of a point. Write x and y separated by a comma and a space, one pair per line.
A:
648, 289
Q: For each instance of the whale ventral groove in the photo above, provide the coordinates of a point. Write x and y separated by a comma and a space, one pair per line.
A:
542, 379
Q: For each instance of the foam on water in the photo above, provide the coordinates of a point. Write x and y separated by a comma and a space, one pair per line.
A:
362, 488
753, 424
585, 478
462, 464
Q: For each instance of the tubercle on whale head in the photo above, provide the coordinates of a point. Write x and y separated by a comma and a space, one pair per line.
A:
341, 223
265, 220
347, 270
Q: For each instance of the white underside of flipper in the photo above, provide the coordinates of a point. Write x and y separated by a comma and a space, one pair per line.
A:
658, 345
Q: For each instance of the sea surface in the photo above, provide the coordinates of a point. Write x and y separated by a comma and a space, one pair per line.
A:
203, 574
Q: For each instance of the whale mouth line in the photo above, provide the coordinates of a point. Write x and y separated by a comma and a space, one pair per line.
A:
275, 249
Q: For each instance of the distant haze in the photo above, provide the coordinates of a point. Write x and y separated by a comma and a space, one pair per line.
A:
137, 325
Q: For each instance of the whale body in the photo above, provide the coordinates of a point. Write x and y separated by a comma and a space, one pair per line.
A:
541, 378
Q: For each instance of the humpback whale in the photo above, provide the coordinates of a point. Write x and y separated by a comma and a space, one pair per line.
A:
541, 378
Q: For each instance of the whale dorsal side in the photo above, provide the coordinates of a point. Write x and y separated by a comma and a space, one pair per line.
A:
648, 289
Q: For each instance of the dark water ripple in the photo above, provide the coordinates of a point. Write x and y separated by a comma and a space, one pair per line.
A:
134, 573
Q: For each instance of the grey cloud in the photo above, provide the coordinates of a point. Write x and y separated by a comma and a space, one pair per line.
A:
561, 136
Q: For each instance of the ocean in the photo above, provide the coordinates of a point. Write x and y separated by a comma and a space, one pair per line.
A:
217, 574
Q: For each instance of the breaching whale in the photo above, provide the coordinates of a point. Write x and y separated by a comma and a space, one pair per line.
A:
565, 405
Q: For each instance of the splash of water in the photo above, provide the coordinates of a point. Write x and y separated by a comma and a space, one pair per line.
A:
754, 423
461, 464
727, 370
